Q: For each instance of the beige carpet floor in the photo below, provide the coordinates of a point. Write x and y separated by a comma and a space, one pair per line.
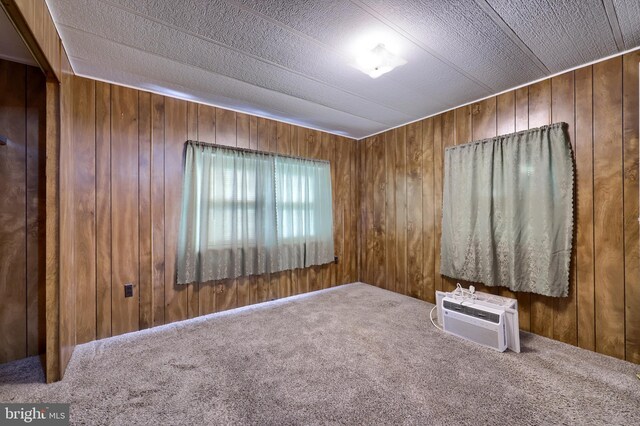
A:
353, 354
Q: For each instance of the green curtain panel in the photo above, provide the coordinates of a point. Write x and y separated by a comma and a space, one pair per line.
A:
507, 213
249, 213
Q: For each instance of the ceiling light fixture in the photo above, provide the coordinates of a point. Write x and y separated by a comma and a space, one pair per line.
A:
377, 61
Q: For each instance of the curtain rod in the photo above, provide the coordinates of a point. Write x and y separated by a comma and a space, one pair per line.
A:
561, 124
255, 151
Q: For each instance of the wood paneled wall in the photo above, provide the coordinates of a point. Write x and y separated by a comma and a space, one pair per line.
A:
401, 198
127, 181
35, 24
22, 204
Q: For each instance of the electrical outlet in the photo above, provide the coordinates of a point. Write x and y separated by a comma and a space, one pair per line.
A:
128, 290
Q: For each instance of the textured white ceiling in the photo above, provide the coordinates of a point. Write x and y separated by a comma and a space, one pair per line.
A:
12, 48
289, 59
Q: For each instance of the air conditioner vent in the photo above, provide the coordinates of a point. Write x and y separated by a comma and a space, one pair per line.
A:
473, 312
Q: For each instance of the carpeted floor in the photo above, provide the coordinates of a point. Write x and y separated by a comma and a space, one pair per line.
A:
354, 354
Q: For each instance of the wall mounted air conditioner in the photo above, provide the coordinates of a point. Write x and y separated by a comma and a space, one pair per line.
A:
489, 320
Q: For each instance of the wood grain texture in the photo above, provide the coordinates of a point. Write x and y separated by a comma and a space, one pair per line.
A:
563, 110
387, 234
542, 314
429, 230
585, 259
13, 210
36, 140
103, 210
193, 289
52, 241
608, 207
438, 169
84, 181
415, 249
145, 236
124, 209
630, 109
400, 172
379, 213
157, 208
600, 104
175, 133
448, 135
67, 287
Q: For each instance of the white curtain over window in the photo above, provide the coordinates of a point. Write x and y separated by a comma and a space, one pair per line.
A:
249, 213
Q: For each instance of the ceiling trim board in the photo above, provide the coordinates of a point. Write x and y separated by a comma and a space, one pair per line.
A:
103, 80
497, 19
229, 77
606, 58
245, 54
612, 16
417, 42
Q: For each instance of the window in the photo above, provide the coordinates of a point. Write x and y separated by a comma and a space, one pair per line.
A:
247, 213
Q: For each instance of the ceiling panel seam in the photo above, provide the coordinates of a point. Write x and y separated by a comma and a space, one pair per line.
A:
222, 75
257, 58
612, 16
417, 42
497, 19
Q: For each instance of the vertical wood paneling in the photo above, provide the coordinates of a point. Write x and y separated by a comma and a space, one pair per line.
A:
68, 284
506, 113
369, 237
562, 110
400, 167
226, 130
157, 207
608, 207
124, 209
328, 153
631, 254
539, 115
193, 289
207, 133
600, 104
585, 260
35, 214
387, 235
347, 197
84, 180
415, 252
300, 148
448, 134
429, 204
438, 166
175, 133
103, 210
484, 120
379, 213
13, 210
53, 371
144, 211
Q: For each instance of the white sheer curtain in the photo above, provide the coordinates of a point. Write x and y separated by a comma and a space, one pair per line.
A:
248, 213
